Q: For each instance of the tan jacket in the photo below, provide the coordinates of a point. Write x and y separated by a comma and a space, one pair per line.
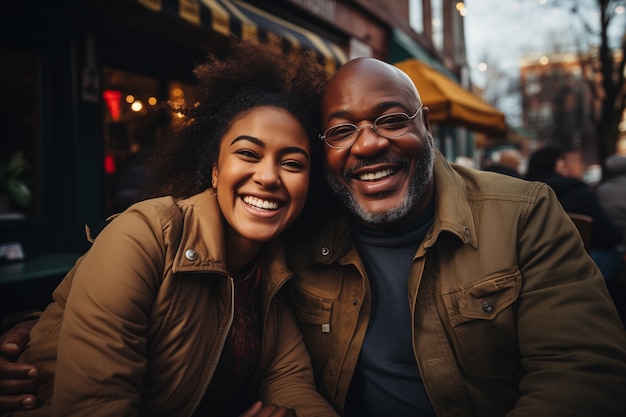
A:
510, 315
141, 320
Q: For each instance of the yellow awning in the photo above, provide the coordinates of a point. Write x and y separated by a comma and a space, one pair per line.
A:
248, 22
449, 103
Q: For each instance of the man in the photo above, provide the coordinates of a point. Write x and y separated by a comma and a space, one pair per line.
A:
553, 166
571, 163
508, 162
443, 290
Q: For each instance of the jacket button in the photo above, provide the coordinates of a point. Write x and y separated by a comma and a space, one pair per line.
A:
355, 302
487, 306
325, 251
191, 254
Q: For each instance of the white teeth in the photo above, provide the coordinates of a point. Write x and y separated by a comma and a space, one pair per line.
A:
258, 203
371, 176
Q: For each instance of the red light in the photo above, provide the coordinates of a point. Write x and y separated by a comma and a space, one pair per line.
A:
109, 164
112, 99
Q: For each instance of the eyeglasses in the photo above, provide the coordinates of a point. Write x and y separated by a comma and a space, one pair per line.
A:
389, 126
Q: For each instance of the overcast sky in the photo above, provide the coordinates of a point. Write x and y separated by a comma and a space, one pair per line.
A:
501, 31
504, 29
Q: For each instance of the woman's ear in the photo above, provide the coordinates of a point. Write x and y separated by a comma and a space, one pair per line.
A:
214, 176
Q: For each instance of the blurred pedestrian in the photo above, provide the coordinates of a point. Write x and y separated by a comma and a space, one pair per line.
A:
571, 163
560, 169
508, 162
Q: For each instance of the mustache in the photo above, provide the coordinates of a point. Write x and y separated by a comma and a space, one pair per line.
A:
402, 162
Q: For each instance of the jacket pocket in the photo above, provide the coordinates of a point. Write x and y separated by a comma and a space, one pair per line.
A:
313, 314
310, 308
483, 325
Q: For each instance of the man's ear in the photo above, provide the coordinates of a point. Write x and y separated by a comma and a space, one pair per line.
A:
426, 118
214, 176
426, 123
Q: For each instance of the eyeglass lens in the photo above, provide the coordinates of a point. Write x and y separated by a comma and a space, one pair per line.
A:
388, 125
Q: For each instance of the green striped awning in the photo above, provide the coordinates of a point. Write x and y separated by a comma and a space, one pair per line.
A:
248, 22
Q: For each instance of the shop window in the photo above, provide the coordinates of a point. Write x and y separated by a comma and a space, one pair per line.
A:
437, 22
20, 147
416, 15
137, 111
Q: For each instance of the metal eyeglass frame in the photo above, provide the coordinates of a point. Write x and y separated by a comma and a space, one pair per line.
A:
357, 129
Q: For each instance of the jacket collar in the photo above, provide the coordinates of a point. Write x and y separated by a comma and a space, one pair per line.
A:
201, 247
453, 214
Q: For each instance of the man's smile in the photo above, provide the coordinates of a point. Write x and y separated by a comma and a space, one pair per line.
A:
373, 176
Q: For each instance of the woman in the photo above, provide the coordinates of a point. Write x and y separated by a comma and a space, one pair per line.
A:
178, 309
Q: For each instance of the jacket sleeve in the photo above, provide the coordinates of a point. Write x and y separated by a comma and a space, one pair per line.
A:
102, 344
571, 340
289, 380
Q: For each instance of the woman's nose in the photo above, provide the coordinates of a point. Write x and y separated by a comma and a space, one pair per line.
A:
267, 174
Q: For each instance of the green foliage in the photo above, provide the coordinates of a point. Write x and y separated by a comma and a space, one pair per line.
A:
12, 182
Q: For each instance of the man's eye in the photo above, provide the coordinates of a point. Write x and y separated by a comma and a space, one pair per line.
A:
392, 122
340, 132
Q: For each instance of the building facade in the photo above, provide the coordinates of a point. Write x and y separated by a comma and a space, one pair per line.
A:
557, 106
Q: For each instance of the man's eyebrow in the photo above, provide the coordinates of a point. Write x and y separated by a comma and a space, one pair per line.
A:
380, 108
338, 114
259, 142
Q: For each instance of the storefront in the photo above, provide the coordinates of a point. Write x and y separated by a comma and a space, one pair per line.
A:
85, 86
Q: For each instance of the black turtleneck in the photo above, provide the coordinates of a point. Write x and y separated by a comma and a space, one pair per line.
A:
387, 380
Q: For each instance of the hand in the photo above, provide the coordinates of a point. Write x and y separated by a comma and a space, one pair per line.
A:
260, 410
18, 382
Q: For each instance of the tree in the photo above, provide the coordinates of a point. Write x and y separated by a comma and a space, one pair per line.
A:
593, 30
502, 88
609, 93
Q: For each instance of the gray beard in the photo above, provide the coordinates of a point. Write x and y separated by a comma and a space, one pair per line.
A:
417, 187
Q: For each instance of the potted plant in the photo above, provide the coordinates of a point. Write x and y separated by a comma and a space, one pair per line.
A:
12, 184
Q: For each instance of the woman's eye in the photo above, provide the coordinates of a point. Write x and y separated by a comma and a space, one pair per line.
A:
294, 164
247, 153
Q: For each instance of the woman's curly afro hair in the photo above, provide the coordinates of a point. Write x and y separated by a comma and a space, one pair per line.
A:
247, 76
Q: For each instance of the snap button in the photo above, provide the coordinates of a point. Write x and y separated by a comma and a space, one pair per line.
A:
325, 251
355, 302
487, 306
191, 254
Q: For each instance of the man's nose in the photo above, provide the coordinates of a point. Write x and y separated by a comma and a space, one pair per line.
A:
368, 141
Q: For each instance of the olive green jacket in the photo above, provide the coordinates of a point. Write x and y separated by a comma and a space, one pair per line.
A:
510, 315
141, 320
